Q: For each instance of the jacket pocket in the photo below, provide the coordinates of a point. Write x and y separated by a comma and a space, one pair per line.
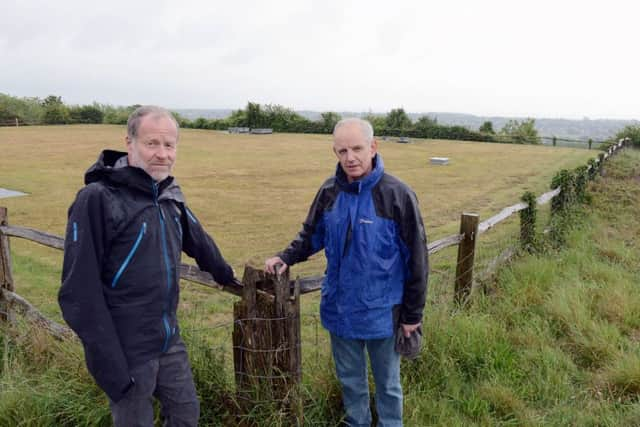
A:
382, 266
130, 255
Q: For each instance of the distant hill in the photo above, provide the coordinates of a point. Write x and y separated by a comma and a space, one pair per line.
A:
208, 113
597, 129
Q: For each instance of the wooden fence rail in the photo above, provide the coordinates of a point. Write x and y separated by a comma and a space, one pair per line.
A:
285, 302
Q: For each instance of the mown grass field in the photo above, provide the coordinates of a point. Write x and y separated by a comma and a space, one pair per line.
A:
557, 344
252, 192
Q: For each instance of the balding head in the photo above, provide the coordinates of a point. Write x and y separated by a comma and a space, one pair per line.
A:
364, 125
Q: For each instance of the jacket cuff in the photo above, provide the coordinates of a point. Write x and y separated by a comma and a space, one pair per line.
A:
410, 318
287, 259
227, 276
117, 395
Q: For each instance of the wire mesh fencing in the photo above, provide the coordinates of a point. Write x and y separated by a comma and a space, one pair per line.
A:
248, 381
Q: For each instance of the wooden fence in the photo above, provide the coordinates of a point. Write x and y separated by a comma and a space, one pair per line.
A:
273, 359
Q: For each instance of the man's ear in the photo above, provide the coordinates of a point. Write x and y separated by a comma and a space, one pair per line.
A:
374, 147
128, 145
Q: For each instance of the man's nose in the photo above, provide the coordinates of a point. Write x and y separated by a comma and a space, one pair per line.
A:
162, 152
350, 155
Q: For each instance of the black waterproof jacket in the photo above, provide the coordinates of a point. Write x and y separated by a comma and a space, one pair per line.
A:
121, 269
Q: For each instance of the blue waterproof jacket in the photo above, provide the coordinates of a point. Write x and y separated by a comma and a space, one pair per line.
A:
121, 270
376, 249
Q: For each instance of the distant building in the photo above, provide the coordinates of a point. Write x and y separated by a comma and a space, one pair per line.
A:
439, 160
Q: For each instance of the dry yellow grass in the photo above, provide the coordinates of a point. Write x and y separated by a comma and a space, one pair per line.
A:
253, 191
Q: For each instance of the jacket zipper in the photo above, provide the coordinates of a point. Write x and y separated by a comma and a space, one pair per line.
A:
132, 252
165, 253
167, 330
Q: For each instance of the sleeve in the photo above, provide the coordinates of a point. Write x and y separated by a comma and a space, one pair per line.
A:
311, 238
81, 295
415, 239
199, 245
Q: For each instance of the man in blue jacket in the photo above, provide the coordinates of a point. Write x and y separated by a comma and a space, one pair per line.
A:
370, 227
120, 280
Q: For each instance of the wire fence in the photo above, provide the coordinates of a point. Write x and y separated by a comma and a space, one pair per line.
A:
262, 395
198, 328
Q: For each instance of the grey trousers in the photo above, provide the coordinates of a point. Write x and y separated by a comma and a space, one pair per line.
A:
167, 378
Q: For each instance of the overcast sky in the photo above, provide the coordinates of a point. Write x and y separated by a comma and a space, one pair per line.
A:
542, 58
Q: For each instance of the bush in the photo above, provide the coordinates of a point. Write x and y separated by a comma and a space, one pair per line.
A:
8, 118
86, 114
24, 109
632, 132
118, 115
56, 115
520, 132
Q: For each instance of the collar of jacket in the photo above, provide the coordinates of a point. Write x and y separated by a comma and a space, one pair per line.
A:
365, 183
105, 169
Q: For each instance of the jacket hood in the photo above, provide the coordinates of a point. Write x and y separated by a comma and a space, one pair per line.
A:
377, 170
107, 168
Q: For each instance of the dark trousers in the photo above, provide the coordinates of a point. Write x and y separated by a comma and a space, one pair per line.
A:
167, 378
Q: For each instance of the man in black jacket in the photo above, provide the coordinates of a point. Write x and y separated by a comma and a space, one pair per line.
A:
120, 279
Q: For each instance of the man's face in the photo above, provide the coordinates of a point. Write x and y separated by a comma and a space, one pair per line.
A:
354, 153
155, 146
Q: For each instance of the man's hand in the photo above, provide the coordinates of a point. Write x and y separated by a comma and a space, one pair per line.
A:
270, 265
407, 329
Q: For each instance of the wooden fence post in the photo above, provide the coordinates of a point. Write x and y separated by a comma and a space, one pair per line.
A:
6, 278
466, 253
600, 163
528, 222
266, 345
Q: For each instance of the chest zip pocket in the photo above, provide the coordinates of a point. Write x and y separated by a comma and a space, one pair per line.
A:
129, 257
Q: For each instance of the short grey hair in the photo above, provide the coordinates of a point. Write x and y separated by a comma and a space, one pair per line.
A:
365, 126
133, 123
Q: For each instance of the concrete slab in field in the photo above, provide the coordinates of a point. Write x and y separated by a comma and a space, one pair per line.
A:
4, 193
439, 160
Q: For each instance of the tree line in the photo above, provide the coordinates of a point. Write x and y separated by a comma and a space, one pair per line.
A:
396, 123
53, 111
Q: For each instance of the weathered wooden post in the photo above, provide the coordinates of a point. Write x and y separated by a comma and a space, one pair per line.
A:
590, 142
466, 253
6, 278
266, 344
554, 140
600, 163
528, 222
